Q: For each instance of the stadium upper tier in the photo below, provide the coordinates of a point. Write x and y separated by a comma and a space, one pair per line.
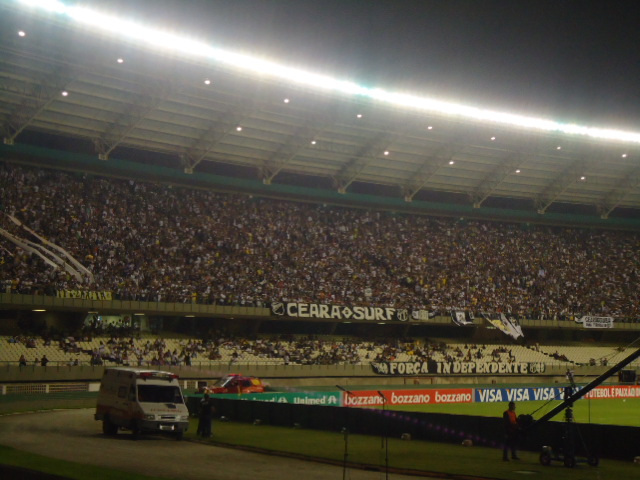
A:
155, 242
199, 108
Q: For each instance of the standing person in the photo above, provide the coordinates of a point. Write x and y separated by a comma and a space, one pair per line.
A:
23, 361
206, 416
511, 430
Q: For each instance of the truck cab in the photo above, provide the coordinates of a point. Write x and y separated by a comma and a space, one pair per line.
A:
142, 401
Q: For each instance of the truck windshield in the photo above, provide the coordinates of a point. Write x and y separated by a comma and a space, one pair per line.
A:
159, 394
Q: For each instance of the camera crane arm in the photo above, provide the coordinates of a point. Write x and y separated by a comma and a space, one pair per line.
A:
587, 388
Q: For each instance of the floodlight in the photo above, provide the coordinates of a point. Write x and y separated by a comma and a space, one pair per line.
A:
148, 36
50, 5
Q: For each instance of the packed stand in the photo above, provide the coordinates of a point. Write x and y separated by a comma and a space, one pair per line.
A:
155, 242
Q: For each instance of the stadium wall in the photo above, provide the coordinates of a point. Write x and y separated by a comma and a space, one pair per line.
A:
293, 375
59, 306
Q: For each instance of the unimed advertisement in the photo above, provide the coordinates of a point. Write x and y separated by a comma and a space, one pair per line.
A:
302, 398
372, 398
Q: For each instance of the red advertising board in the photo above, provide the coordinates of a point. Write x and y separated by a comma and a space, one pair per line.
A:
614, 391
373, 398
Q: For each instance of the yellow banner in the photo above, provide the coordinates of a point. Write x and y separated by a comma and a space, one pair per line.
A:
83, 294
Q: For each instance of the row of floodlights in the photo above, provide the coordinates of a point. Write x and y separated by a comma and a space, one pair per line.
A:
147, 35
207, 81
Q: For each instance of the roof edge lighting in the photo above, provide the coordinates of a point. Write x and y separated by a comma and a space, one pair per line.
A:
149, 36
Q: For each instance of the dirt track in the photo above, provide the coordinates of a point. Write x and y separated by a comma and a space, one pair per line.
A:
74, 435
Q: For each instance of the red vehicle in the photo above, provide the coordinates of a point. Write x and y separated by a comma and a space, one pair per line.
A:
234, 383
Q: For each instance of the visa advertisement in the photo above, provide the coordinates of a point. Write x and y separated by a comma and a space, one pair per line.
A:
525, 394
519, 394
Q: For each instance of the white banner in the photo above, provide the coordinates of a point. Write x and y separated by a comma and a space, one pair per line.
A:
462, 317
507, 325
596, 322
339, 312
423, 315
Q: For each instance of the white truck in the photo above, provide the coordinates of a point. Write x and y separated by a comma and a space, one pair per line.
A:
142, 401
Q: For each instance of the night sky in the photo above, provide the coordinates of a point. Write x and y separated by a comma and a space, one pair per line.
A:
569, 60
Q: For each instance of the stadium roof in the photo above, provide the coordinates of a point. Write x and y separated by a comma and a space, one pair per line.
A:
63, 85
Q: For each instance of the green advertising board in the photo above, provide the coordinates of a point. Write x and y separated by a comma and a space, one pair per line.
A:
301, 398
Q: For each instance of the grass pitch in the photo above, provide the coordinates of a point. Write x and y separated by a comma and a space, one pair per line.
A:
442, 460
624, 412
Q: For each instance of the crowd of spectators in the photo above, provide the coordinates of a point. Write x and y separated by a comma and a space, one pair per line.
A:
155, 242
282, 349
288, 351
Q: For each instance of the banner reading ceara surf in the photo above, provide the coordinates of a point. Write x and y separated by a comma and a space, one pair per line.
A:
431, 367
339, 312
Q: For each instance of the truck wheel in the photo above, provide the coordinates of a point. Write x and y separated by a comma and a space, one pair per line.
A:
109, 428
136, 431
569, 461
179, 435
545, 459
593, 460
